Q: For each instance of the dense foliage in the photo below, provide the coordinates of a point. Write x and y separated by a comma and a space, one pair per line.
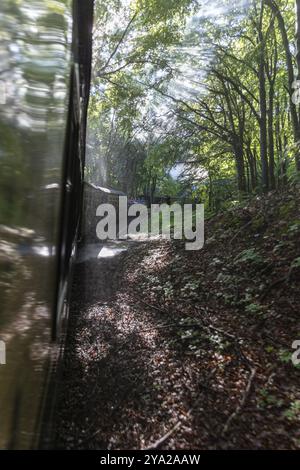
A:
206, 88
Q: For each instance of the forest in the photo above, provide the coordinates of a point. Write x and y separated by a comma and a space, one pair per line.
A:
195, 100
192, 101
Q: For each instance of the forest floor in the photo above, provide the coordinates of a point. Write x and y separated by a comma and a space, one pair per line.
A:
178, 349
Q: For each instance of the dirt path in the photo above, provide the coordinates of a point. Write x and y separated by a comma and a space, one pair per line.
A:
156, 357
124, 381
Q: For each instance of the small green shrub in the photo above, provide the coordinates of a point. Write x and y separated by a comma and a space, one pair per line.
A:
293, 413
251, 255
253, 308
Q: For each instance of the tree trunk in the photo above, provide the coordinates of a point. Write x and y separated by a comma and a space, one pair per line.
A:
263, 107
210, 192
251, 162
297, 38
240, 167
271, 138
290, 71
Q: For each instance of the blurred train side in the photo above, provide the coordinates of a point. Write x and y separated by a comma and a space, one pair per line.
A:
45, 61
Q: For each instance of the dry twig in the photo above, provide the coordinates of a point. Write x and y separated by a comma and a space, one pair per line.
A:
242, 403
